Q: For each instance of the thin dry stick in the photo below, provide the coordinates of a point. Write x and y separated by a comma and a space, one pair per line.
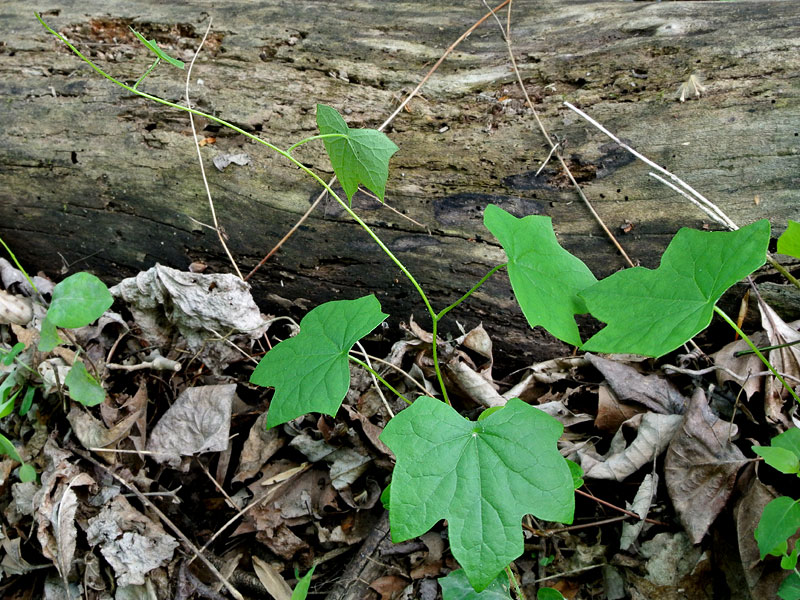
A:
375, 381
718, 214
617, 508
144, 500
553, 145
262, 498
383, 125
200, 156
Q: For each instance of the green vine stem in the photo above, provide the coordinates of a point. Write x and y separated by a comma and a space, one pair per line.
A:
315, 137
513, 579
287, 154
19, 266
471, 291
364, 365
146, 73
756, 351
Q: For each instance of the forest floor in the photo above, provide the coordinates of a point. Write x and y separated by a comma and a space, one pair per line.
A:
176, 458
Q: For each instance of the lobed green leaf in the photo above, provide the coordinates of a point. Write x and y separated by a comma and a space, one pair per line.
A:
790, 587
360, 156
482, 476
546, 279
652, 312
310, 372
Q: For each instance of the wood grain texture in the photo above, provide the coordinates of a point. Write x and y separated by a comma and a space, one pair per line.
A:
96, 178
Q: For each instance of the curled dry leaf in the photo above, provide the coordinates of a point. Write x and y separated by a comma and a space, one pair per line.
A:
653, 435
91, 433
271, 579
195, 304
630, 386
701, 467
260, 446
742, 365
473, 384
131, 543
611, 413
641, 506
785, 360
199, 421
15, 309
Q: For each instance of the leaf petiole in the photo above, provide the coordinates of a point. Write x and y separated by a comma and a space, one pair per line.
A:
756, 351
146, 73
361, 363
470, 292
315, 137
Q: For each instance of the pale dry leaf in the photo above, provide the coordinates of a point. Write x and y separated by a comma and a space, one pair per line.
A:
199, 421
701, 467
653, 434
473, 384
130, 542
91, 433
13, 563
641, 506
271, 579
670, 558
260, 446
785, 360
346, 464
630, 386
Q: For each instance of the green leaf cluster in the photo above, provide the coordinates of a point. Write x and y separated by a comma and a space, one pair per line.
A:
780, 519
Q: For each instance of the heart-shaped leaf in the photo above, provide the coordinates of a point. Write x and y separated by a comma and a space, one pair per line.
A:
78, 300
359, 156
83, 387
310, 372
652, 312
546, 279
789, 241
482, 476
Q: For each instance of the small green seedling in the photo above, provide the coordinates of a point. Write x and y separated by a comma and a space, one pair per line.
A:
780, 519
303, 583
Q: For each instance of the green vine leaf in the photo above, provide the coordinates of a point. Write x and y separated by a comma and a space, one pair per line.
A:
789, 241
652, 312
781, 459
456, 586
359, 156
546, 279
310, 372
790, 588
78, 300
300, 591
779, 521
482, 476
84, 388
153, 47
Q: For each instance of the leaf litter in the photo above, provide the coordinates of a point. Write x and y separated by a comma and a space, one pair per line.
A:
306, 491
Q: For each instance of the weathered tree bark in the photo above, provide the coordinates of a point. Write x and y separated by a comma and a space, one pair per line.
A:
92, 177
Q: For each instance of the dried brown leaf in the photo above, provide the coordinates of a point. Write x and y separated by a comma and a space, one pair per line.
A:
653, 435
271, 579
630, 386
389, 586
742, 365
91, 433
785, 360
260, 446
701, 467
763, 577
